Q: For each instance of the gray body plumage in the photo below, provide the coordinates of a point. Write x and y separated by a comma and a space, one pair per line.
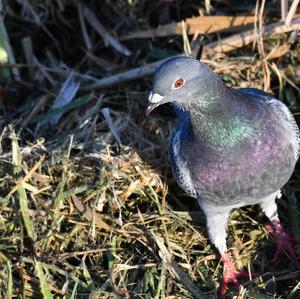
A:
236, 177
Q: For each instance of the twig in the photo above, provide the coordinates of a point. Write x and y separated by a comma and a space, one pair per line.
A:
106, 114
261, 49
29, 55
239, 40
66, 255
109, 66
86, 37
291, 12
202, 25
43, 71
37, 108
37, 20
136, 73
108, 38
186, 42
284, 9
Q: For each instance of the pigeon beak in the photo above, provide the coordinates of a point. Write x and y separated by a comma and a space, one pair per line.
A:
154, 101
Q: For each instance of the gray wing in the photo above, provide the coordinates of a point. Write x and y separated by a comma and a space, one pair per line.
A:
256, 93
181, 136
284, 115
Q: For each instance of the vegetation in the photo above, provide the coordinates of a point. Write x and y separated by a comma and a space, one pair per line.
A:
89, 206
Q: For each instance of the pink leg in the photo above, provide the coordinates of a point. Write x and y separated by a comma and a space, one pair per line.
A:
231, 275
284, 242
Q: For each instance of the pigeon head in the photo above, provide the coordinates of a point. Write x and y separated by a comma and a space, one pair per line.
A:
182, 80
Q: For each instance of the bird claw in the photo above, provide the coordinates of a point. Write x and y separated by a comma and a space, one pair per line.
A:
285, 242
231, 275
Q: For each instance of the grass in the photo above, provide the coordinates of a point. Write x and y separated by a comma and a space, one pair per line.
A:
85, 216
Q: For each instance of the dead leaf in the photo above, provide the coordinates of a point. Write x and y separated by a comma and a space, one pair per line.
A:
278, 52
87, 214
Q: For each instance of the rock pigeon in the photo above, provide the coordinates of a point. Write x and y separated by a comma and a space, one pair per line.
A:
230, 148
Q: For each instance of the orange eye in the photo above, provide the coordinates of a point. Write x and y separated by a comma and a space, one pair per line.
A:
178, 83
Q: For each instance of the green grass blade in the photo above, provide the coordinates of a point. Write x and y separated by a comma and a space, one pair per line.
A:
43, 282
255, 295
16, 153
7, 53
25, 213
74, 291
9, 292
5, 72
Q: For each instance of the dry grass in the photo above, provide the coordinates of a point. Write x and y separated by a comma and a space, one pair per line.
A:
89, 207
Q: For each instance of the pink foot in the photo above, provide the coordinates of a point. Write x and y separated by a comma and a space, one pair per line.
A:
231, 275
284, 242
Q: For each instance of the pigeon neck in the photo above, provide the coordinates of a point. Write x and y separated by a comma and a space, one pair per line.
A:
223, 122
